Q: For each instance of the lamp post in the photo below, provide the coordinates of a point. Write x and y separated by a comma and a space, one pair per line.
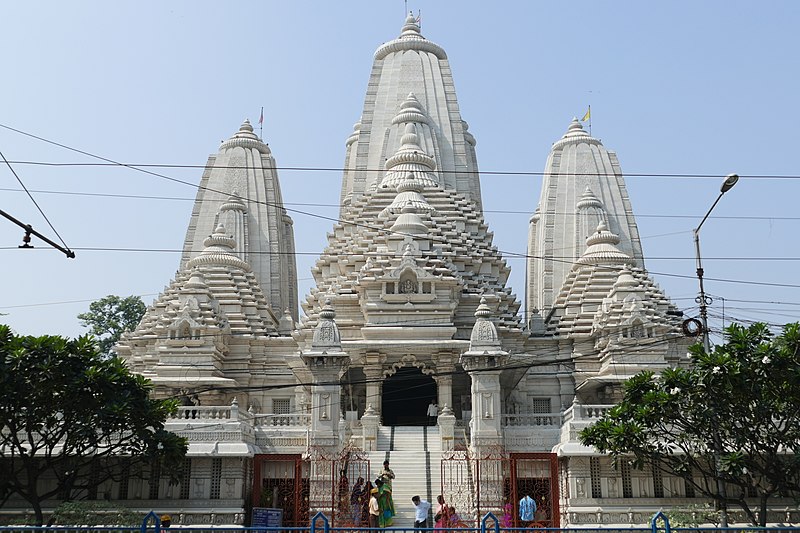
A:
704, 301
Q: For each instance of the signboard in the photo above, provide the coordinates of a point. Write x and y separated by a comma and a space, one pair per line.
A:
267, 517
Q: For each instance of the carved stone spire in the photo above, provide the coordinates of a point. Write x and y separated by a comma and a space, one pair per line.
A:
601, 248
410, 158
484, 333
218, 250
326, 334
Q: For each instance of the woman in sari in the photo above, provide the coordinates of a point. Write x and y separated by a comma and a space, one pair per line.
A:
365, 507
442, 514
385, 503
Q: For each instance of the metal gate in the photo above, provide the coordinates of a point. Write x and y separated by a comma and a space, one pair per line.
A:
281, 482
536, 475
317, 481
495, 481
334, 487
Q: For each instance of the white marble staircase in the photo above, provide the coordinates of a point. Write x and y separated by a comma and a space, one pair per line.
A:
414, 454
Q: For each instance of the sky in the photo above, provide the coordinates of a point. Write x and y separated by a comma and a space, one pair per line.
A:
684, 92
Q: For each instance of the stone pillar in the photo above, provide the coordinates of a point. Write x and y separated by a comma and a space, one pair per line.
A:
374, 375
444, 385
369, 423
447, 425
483, 361
325, 407
444, 380
486, 413
327, 363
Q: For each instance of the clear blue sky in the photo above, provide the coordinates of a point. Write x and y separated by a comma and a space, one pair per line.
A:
676, 88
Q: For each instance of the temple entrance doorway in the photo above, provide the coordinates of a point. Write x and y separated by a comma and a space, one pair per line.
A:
406, 396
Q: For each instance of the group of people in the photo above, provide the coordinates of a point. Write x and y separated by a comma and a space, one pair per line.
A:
445, 516
379, 508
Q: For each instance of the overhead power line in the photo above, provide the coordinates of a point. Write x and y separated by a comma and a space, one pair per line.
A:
557, 258
109, 163
508, 255
337, 220
339, 206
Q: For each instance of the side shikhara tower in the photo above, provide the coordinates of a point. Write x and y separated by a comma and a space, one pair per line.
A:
582, 187
240, 189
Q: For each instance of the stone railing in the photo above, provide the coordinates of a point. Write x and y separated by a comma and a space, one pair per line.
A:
205, 412
292, 420
585, 412
532, 419
579, 416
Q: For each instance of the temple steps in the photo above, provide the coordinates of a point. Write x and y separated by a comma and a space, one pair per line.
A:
414, 454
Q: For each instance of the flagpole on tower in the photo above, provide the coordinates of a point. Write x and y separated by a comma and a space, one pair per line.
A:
261, 124
587, 117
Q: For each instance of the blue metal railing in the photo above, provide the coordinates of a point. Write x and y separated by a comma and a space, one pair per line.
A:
319, 523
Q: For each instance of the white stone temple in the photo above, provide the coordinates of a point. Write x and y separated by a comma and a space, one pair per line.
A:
411, 306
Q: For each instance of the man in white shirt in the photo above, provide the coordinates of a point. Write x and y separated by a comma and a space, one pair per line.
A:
433, 412
421, 508
374, 509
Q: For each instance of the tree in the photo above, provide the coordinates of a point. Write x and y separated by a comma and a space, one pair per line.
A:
732, 415
108, 318
71, 419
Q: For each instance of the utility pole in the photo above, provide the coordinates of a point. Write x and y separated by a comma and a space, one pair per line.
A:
704, 301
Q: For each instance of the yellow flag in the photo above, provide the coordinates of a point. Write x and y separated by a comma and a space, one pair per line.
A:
588, 114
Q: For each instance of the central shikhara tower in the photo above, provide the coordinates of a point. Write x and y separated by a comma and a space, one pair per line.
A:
411, 305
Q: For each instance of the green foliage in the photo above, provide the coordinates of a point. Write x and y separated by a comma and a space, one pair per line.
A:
69, 413
86, 513
692, 516
741, 401
108, 318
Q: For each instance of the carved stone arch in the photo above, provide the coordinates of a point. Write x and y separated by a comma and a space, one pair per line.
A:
183, 328
408, 360
407, 390
255, 405
637, 329
408, 284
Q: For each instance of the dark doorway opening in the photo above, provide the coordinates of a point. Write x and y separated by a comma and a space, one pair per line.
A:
406, 396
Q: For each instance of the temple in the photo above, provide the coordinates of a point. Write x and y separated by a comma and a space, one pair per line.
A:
411, 306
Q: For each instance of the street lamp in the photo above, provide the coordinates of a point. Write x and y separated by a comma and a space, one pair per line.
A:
704, 301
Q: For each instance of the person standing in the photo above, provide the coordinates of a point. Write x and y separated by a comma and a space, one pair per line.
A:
374, 509
527, 510
385, 501
357, 501
442, 511
421, 508
387, 475
433, 412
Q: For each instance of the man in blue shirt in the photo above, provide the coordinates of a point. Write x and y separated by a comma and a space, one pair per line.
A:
527, 510
421, 508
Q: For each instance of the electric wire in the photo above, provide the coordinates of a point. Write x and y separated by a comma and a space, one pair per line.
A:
507, 255
111, 163
333, 219
14, 172
337, 220
558, 258
350, 382
339, 206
